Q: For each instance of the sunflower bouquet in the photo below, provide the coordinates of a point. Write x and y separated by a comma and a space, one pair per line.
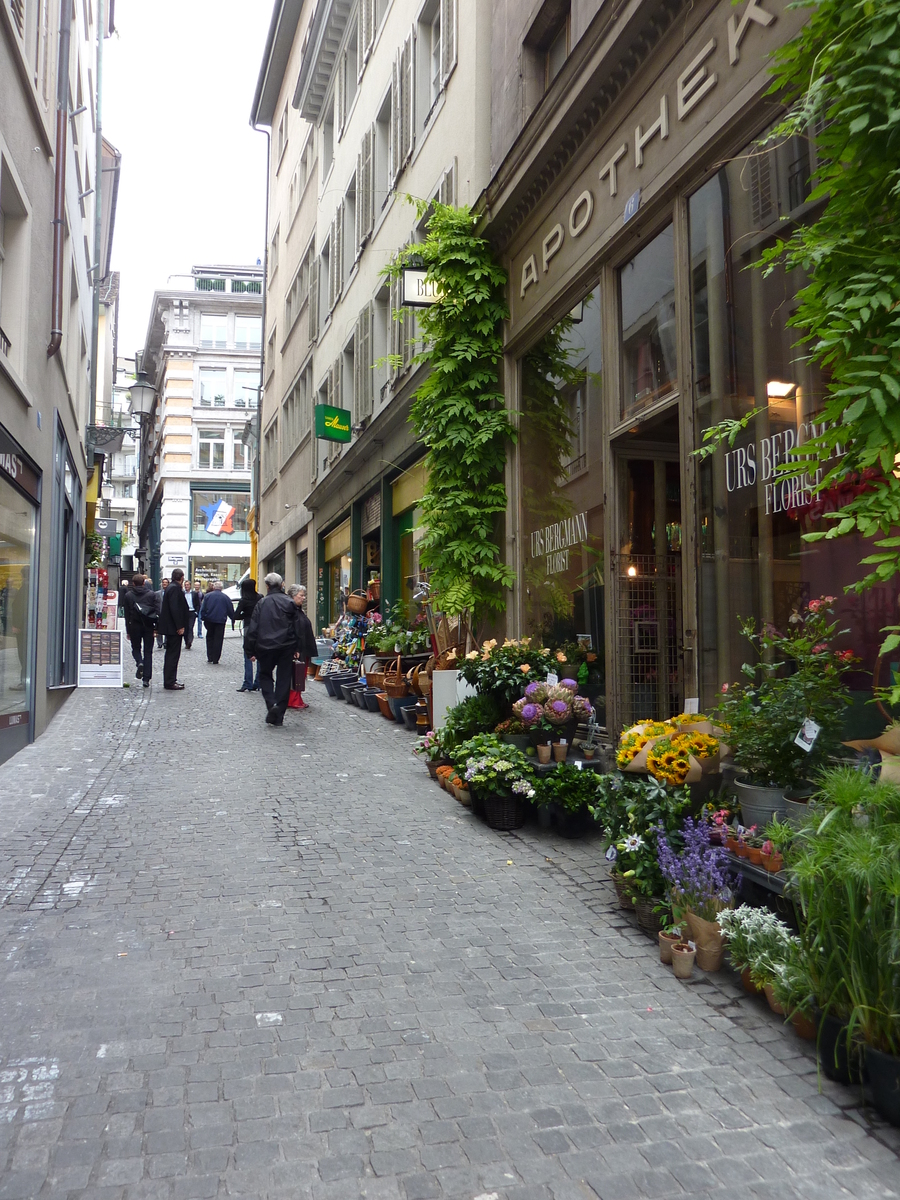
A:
683, 757
630, 746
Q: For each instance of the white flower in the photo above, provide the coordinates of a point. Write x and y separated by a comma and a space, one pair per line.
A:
633, 842
612, 854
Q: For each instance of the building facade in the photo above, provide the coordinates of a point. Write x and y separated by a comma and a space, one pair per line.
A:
202, 354
387, 100
48, 192
635, 188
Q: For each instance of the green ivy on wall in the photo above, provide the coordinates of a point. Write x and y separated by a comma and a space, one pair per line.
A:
459, 415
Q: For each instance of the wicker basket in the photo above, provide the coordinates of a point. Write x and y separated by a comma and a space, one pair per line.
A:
505, 812
623, 891
394, 682
375, 679
357, 602
648, 920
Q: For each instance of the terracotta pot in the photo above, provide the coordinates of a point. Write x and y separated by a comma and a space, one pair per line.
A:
587, 754
543, 753
749, 985
732, 843
707, 937
432, 769
773, 1003
742, 850
666, 942
682, 960
560, 751
463, 795
755, 855
805, 1026
773, 862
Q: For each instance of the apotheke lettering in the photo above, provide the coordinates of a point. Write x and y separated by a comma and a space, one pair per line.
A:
693, 85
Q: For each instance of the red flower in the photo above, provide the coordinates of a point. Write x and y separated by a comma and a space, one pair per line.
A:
820, 648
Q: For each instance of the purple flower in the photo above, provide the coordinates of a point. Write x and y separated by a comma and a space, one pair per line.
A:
698, 874
532, 689
560, 707
531, 712
568, 683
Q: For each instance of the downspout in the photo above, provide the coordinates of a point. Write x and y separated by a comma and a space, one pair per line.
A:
59, 189
263, 342
98, 218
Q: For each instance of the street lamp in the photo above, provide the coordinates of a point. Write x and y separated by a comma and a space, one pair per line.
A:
142, 394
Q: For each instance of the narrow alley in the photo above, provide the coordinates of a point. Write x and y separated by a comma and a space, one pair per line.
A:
336, 983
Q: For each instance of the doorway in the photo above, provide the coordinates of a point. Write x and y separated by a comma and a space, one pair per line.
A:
648, 572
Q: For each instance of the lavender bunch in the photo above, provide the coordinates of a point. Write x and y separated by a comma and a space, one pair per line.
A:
698, 875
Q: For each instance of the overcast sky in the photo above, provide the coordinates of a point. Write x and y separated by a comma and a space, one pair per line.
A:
178, 86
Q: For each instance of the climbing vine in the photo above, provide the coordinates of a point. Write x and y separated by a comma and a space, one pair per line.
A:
459, 415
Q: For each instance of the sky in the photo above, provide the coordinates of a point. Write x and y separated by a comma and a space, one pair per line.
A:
179, 78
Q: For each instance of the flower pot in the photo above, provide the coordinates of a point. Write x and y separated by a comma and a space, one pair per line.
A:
795, 810
371, 696
773, 1003
463, 795
707, 937
571, 824
754, 853
505, 812
623, 891
587, 754
742, 850
805, 1026
521, 741
884, 1077
759, 805
560, 751
732, 844
432, 768
838, 1061
666, 942
543, 753
773, 862
682, 960
749, 985
409, 716
384, 705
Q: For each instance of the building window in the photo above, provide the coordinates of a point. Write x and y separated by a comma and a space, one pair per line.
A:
213, 331
296, 414
271, 352
209, 521
247, 333
246, 389
348, 226
13, 280
212, 387
241, 453
282, 136
557, 51
274, 251
382, 155
402, 132
328, 139
211, 449
546, 48
649, 341
365, 195
270, 454
65, 580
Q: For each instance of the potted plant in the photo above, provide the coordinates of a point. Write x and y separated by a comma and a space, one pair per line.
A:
503, 670
431, 748
667, 939
590, 744
503, 780
683, 954
757, 943
785, 720
755, 845
568, 795
698, 875
514, 733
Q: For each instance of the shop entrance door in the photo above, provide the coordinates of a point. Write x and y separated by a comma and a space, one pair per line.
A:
649, 622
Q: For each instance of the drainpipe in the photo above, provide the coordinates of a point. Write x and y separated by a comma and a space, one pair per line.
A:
263, 342
59, 189
98, 217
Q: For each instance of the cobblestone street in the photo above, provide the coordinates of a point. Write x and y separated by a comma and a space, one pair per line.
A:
246, 961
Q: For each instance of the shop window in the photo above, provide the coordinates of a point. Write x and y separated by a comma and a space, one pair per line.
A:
219, 515
64, 596
647, 305
753, 560
211, 449
17, 514
563, 567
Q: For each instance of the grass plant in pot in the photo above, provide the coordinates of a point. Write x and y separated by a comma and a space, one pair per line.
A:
795, 680
700, 883
845, 872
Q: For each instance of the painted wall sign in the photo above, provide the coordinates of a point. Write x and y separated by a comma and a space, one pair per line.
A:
416, 291
553, 542
219, 517
332, 424
725, 54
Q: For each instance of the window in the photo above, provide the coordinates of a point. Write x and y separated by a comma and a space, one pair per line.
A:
204, 506
241, 453
381, 341
270, 454
296, 414
557, 52
212, 387
13, 279
429, 68
401, 110
574, 398
349, 244
248, 287
294, 195
307, 162
303, 568
246, 389
274, 251
282, 136
247, 333
335, 258
204, 283
647, 305
213, 331
382, 155
363, 392
347, 368
328, 138
365, 196
299, 290
546, 49
211, 449
365, 34
271, 352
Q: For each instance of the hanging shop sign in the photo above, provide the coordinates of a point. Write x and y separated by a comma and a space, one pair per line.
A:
106, 526
720, 70
332, 424
416, 290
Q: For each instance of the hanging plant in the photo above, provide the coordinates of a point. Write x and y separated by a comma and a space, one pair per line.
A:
458, 413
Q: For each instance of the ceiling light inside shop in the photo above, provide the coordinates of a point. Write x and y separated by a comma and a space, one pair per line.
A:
775, 388
632, 572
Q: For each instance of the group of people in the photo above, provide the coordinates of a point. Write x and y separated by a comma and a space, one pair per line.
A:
277, 632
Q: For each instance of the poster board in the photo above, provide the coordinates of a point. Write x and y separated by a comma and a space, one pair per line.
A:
100, 658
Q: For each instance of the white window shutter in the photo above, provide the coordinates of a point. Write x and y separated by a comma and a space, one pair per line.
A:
396, 121
340, 92
332, 263
336, 383
368, 190
396, 337
362, 365
447, 189
448, 39
314, 297
359, 219
339, 233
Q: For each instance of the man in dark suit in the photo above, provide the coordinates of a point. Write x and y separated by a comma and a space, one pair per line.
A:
173, 620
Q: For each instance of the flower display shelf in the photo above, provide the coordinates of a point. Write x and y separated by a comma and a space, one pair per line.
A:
758, 874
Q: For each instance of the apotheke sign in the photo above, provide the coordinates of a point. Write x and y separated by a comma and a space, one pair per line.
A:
726, 53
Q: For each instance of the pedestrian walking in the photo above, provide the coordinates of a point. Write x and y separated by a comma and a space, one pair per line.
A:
159, 633
308, 647
197, 600
141, 608
273, 638
215, 611
173, 620
192, 616
248, 601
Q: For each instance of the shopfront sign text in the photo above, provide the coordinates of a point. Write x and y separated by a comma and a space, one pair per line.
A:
332, 424
759, 462
553, 542
724, 55
14, 466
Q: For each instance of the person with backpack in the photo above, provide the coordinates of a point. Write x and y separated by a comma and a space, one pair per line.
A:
141, 619
274, 637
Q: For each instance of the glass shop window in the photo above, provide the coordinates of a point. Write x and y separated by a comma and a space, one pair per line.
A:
647, 305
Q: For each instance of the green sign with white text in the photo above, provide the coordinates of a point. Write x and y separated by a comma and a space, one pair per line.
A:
332, 424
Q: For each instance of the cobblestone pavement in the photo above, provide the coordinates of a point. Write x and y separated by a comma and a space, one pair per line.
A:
245, 961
